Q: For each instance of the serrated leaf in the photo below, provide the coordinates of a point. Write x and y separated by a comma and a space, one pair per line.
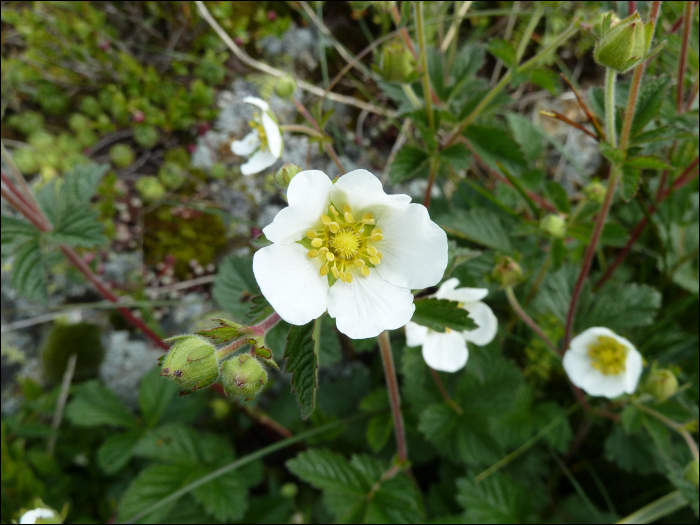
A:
458, 156
527, 135
659, 134
80, 184
632, 419
225, 497
12, 229
633, 453
152, 485
467, 63
497, 499
116, 451
28, 270
78, 226
234, 285
327, 470
651, 97
479, 226
224, 333
546, 79
502, 50
559, 196
621, 307
379, 431
155, 394
494, 145
302, 353
95, 405
648, 163
171, 443
439, 314
410, 162
630, 182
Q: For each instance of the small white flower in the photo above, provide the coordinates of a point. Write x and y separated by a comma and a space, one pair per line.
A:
263, 144
32, 516
351, 249
602, 363
447, 351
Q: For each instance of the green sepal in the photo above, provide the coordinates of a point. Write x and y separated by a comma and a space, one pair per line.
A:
228, 331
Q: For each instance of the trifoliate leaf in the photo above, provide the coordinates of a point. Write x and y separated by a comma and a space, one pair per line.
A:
302, 353
439, 314
497, 499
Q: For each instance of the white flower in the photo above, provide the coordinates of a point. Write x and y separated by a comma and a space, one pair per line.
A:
263, 144
349, 248
32, 516
447, 351
602, 363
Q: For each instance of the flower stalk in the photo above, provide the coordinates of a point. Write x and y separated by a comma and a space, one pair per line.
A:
392, 384
420, 29
529, 322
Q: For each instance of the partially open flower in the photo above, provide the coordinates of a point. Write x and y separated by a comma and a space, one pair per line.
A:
447, 351
602, 363
40, 515
263, 144
349, 248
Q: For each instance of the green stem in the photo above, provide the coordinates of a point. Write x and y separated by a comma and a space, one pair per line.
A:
610, 133
412, 97
663, 506
525, 40
244, 461
528, 321
302, 129
677, 427
392, 385
420, 29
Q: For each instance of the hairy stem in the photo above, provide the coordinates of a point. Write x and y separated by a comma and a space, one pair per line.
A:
610, 77
420, 29
393, 387
685, 42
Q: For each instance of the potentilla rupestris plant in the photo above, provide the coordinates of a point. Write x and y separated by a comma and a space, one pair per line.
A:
351, 249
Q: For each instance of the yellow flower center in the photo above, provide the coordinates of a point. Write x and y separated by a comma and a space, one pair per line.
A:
344, 245
608, 355
256, 124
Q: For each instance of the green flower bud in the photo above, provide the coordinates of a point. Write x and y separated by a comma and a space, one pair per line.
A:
243, 376
396, 63
121, 155
623, 45
555, 225
285, 86
662, 384
286, 173
507, 272
289, 490
191, 362
692, 472
150, 188
595, 191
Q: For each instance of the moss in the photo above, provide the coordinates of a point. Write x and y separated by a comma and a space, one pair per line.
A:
65, 340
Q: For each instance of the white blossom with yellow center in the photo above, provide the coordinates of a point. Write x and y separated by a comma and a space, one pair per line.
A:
351, 249
263, 144
447, 351
39, 515
602, 363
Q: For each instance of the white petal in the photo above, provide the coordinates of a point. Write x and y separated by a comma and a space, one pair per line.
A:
462, 295
485, 319
247, 146
414, 247
578, 368
415, 334
291, 282
369, 305
308, 197
600, 385
446, 352
273, 134
633, 370
38, 513
257, 102
582, 341
258, 162
363, 192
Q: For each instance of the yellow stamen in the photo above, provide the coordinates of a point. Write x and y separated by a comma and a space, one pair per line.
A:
359, 263
365, 271
376, 237
372, 250
317, 242
324, 270
348, 216
325, 219
379, 254
311, 234
374, 260
608, 355
348, 277
312, 254
333, 210
335, 272
334, 227
346, 208
368, 218
342, 277
330, 256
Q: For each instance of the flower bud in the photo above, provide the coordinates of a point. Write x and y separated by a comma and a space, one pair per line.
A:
555, 225
692, 472
286, 173
285, 87
507, 272
662, 384
243, 376
623, 45
595, 191
396, 63
289, 490
191, 362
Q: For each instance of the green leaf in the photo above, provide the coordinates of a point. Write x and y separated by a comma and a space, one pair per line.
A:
379, 431
494, 145
80, 184
502, 50
224, 333
558, 195
78, 226
155, 394
621, 307
225, 497
632, 419
526, 135
648, 163
659, 134
410, 162
546, 79
479, 226
116, 451
171, 443
234, 285
630, 182
302, 362
651, 97
12, 230
467, 63
28, 270
327, 470
95, 405
439, 314
152, 485
458, 156
497, 499
557, 252
633, 453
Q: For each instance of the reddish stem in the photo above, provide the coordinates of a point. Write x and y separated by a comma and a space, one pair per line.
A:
631, 7
685, 42
264, 326
28, 205
26, 211
392, 385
